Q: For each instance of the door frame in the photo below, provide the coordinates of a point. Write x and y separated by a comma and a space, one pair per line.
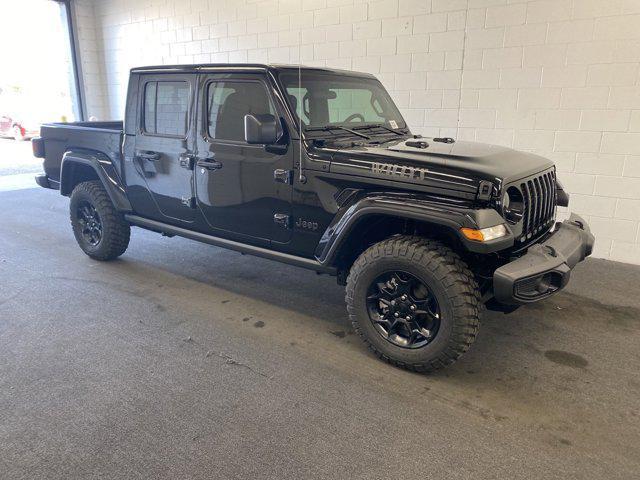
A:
189, 138
204, 80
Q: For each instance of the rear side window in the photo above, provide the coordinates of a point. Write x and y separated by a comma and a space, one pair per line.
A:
165, 108
229, 102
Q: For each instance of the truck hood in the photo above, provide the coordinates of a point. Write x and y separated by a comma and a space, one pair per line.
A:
461, 163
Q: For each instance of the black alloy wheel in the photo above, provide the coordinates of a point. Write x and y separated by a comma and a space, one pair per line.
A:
100, 230
90, 223
414, 302
403, 310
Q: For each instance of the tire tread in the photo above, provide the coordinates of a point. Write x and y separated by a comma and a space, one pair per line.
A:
116, 230
461, 286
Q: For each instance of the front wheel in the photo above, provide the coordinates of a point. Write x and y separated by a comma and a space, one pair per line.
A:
414, 302
100, 230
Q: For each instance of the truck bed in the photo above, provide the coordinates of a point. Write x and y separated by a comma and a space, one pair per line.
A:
103, 137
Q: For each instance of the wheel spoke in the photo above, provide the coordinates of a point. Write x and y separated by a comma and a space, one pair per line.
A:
376, 297
403, 285
382, 319
420, 331
413, 334
393, 325
89, 223
384, 290
398, 278
403, 309
420, 301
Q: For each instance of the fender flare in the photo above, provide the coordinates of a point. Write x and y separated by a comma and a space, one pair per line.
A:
411, 207
104, 169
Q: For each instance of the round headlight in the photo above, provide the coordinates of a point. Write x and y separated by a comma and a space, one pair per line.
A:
506, 203
513, 205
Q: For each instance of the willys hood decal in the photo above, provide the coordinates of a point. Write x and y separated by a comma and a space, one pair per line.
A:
462, 163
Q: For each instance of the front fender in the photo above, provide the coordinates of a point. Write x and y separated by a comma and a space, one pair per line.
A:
73, 161
450, 217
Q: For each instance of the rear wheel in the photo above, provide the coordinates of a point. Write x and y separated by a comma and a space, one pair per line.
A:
100, 230
414, 302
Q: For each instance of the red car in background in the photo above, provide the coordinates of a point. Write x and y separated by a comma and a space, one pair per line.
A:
16, 128
21, 113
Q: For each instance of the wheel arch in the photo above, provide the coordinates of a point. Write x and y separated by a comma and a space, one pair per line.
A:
375, 218
83, 166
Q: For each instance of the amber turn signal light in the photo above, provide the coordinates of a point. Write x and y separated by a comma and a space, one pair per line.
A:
484, 234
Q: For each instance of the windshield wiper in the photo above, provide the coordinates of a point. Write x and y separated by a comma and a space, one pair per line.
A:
328, 128
379, 125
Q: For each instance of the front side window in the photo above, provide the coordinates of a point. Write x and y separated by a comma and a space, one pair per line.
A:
227, 104
165, 108
321, 99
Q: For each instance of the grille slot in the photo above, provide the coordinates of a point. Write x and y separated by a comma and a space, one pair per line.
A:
539, 193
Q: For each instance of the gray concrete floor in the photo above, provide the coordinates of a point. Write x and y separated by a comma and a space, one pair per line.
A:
17, 157
182, 360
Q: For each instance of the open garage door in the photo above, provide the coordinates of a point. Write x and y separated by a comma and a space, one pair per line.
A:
39, 79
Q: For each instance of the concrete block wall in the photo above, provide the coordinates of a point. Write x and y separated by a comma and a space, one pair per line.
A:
91, 58
560, 78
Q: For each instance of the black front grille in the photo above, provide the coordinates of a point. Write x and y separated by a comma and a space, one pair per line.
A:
539, 193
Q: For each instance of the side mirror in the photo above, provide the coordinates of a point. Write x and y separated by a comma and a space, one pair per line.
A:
260, 129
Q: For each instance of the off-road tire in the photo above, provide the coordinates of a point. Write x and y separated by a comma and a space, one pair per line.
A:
116, 230
449, 279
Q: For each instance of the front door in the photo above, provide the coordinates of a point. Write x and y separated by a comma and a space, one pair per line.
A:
243, 191
164, 147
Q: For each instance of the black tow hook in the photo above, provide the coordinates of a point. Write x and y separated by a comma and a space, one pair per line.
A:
578, 224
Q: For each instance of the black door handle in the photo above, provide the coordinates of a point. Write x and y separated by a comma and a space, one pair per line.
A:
147, 155
209, 164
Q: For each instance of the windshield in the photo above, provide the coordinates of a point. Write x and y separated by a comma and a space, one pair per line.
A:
328, 99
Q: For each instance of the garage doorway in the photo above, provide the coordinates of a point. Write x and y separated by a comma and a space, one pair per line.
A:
39, 79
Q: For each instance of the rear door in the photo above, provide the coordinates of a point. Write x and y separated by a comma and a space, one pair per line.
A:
165, 145
243, 191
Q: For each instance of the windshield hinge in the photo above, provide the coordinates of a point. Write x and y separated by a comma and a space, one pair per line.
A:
188, 202
283, 176
416, 144
282, 219
187, 160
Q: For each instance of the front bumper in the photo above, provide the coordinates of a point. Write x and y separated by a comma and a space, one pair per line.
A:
546, 267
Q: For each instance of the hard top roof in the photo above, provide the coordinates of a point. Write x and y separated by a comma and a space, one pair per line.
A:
241, 67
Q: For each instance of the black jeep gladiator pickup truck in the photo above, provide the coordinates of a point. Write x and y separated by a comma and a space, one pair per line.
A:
317, 168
